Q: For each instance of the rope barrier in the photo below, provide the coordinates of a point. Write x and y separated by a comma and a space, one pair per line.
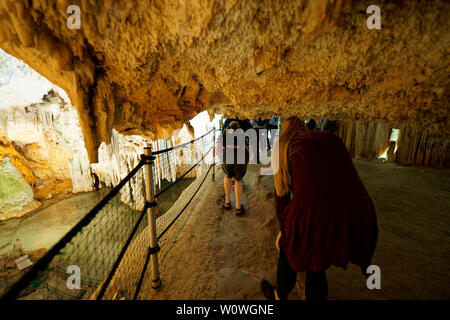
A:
182, 176
41, 264
98, 252
138, 287
181, 145
161, 192
125, 247
182, 210
141, 278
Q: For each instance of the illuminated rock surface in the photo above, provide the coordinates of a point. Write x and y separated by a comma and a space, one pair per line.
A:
16, 196
145, 67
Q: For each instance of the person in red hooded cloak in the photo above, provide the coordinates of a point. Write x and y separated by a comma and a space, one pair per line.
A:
326, 215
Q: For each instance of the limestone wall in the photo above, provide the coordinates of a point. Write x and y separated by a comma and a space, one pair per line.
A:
423, 147
415, 145
364, 139
144, 67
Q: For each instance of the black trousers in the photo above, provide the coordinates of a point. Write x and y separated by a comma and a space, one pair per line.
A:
316, 287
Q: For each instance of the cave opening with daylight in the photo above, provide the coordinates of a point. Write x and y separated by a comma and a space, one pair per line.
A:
41, 140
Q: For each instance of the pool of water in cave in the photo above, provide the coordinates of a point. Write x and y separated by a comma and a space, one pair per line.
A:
43, 227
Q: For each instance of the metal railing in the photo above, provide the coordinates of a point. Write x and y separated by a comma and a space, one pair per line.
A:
114, 243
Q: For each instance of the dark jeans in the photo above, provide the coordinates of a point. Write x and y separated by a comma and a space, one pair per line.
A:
316, 287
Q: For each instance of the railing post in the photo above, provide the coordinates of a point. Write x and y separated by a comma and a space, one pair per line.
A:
150, 195
214, 155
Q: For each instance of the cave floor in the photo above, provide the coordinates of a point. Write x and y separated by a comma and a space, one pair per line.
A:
221, 256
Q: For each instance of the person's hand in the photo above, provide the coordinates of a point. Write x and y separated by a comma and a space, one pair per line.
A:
277, 242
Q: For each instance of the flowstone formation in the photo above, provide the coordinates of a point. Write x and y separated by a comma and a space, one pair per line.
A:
46, 137
145, 67
121, 156
40, 132
16, 196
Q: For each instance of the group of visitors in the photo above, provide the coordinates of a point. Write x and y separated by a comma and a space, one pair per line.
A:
325, 214
233, 168
321, 125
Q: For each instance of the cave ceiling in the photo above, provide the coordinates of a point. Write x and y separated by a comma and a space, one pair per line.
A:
146, 67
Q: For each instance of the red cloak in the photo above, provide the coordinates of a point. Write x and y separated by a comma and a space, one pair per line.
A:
328, 218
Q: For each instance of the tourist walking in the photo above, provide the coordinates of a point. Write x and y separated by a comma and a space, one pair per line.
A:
233, 150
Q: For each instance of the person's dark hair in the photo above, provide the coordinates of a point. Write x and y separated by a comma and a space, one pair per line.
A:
234, 125
260, 122
311, 124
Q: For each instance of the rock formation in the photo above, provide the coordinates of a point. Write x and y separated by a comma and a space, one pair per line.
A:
40, 133
415, 145
16, 196
145, 67
364, 139
423, 147
45, 142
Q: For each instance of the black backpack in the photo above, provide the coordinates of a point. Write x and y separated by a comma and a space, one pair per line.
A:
226, 142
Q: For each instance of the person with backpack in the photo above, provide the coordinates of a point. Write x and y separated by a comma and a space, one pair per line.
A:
233, 150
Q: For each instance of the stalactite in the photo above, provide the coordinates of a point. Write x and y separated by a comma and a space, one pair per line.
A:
58, 124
